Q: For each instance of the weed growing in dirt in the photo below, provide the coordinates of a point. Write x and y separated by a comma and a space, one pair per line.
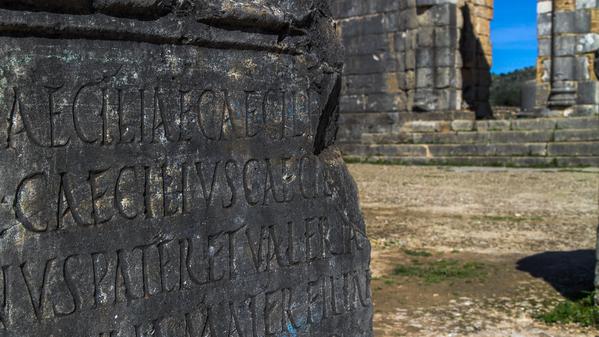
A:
442, 270
418, 253
582, 312
389, 281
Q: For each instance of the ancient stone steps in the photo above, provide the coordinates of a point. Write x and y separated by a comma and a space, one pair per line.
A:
573, 149
525, 142
503, 124
484, 161
474, 137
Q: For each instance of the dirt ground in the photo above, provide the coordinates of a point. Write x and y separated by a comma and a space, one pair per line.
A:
531, 230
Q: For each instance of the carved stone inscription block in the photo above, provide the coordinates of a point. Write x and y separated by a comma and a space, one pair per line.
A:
168, 169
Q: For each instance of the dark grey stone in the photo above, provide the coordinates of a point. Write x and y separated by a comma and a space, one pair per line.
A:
493, 125
378, 6
446, 37
544, 47
365, 84
168, 169
565, 45
578, 123
425, 78
588, 92
446, 57
370, 64
446, 77
516, 137
565, 22
579, 162
544, 23
583, 21
445, 14
353, 103
403, 150
488, 150
586, 110
565, 68
528, 96
425, 57
533, 124
348, 8
368, 25
382, 102
426, 37
577, 135
582, 68
573, 149
366, 44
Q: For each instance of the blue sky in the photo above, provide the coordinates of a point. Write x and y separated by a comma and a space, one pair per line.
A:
514, 35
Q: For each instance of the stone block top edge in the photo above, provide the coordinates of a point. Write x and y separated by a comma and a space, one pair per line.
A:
286, 27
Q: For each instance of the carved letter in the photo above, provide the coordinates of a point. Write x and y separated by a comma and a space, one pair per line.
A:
31, 206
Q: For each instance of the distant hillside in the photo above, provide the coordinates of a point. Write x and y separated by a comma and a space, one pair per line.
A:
505, 90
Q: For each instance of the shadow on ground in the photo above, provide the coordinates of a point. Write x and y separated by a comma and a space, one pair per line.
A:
570, 273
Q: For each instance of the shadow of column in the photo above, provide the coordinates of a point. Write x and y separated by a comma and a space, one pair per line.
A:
570, 273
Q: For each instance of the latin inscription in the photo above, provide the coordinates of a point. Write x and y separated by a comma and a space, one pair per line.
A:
164, 190
98, 114
283, 312
62, 286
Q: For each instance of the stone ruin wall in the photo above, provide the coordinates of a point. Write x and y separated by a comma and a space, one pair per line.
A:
417, 74
412, 60
566, 81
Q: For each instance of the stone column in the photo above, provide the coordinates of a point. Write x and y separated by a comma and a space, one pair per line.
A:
568, 44
563, 41
168, 169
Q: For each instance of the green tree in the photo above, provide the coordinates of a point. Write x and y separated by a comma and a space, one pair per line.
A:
506, 88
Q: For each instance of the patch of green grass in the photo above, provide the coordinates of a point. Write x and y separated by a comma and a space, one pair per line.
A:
583, 312
442, 270
418, 253
389, 281
387, 243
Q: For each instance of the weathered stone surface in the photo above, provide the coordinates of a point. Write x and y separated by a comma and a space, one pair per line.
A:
427, 126
578, 123
493, 125
499, 137
577, 135
573, 149
488, 150
533, 124
168, 169
462, 125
